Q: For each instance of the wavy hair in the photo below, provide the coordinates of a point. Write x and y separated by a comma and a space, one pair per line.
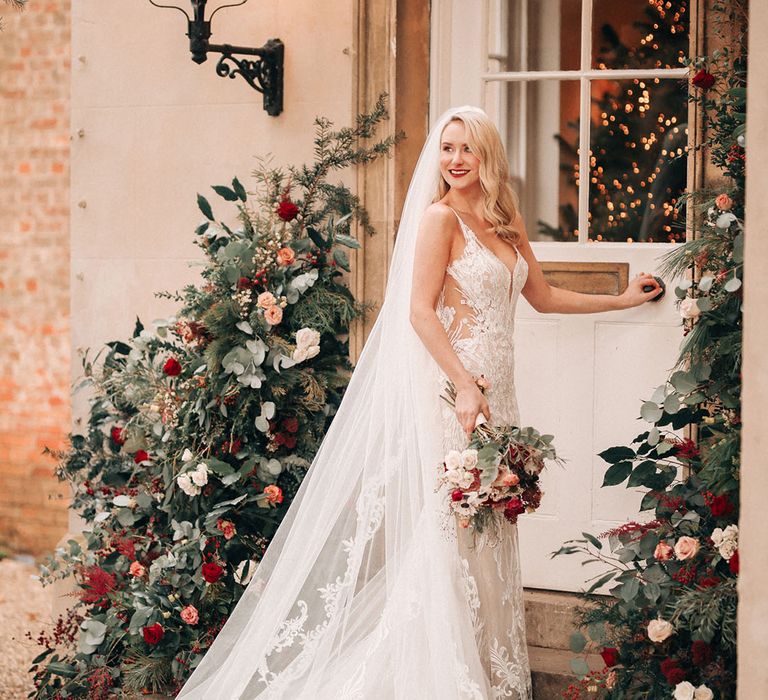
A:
500, 207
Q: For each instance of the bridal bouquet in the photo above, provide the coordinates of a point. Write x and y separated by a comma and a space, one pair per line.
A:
497, 473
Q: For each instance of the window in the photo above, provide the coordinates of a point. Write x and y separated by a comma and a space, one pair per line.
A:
560, 73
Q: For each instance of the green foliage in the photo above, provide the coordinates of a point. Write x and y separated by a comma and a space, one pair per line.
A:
202, 427
682, 566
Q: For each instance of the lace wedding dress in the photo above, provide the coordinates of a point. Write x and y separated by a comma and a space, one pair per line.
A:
477, 309
367, 591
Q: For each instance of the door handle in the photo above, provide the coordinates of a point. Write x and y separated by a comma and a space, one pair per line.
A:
648, 288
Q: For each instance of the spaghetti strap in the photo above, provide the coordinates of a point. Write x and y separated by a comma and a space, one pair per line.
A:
465, 229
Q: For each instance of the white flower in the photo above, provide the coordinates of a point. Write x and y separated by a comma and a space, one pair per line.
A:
469, 459
186, 485
200, 475
684, 691
726, 541
725, 220
124, 501
187, 455
468, 506
459, 477
659, 630
689, 308
453, 460
238, 575
703, 693
307, 344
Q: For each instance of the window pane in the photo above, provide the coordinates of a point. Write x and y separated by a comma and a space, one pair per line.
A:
638, 160
539, 122
534, 35
639, 33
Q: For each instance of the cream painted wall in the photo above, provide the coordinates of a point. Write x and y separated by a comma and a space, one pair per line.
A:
150, 129
753, 525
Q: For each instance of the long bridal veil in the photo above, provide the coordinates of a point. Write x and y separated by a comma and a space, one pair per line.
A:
360, 594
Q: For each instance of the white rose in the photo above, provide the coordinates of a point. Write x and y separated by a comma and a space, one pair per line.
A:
312, 351
186, 485
187, 455
469, 459
703, 693
659, 630
717, 536
689, 308
727, 549
453, 460
684, 691
200, 475
459, 477
307, 337
300, 354
731, 532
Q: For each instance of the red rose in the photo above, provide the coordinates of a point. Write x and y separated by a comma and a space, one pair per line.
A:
701, 653
676, 675
720, 506
117, 435
703, 80
610, 656
733, 563
709, 582
289, 441
244, 283
513, 508
140, 456
153, 634
212, 572
172, 367
287, 210
667, 665
291, 425
457, 495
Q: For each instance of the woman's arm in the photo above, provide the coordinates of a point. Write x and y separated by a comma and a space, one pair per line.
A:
433, 252
545, 298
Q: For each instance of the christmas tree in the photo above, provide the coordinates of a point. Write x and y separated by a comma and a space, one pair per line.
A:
638, 136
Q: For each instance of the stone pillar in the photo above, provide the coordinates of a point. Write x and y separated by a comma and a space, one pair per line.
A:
753, 526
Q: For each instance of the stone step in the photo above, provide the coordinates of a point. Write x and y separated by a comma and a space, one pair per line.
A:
551, 671
549, 618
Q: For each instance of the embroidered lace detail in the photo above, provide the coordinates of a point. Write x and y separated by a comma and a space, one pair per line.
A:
473, 598
509, 678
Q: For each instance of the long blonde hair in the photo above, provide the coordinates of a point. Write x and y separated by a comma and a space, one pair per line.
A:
500, 207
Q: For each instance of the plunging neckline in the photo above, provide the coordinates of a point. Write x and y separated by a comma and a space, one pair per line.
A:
512, 272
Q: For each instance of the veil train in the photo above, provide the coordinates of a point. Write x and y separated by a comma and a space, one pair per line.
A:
360, 594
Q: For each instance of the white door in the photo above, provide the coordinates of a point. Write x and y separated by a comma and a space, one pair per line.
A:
538, 67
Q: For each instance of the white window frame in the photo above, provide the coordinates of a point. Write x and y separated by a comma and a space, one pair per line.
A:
584, 75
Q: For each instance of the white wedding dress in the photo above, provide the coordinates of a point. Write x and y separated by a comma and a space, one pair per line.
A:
369, 591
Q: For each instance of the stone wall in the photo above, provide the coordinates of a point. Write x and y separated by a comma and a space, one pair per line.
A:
34, 271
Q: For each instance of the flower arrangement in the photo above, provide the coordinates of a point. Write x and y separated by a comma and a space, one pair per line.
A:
498, 472
668, 627
202, 426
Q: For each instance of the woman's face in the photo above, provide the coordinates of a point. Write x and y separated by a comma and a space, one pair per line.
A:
458, 165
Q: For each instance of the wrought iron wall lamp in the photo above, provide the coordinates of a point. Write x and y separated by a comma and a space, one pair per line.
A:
265, 73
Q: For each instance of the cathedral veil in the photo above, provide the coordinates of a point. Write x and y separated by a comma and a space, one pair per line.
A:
360, 594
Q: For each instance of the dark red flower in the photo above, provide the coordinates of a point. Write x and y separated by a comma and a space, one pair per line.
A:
287, 210
140, 456
289, 441
676, 675
97, 585
153, 634
610, 656
513, 508
457, 495
211, 572
703, 79
118, 435
721, 506
733, 563
687, 449
701, 653
291, 425
172, 367
667, 665
709, 581
244, 283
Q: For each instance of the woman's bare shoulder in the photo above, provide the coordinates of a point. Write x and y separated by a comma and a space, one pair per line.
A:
439, 219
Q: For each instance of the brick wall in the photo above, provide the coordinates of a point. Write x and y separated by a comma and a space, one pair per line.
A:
34, 271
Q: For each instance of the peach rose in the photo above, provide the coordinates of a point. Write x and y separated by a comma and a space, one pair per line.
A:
610, 680
266, 300
273, 315
723, 202
190, 615
689, 308
659, 630
274, 493
285, 256
663, 551
506, 478
137, 569
686, 547
227, 528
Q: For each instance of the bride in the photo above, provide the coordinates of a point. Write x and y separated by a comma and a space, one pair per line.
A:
369, 590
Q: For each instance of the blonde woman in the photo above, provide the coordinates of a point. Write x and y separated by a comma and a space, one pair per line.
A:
368, 591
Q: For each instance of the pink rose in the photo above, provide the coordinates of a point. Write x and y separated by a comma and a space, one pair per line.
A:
190, 615
266, 300
137, 569
659, 630
285, 256
723, 202
273, 315
227, 528
686, 547
663, 551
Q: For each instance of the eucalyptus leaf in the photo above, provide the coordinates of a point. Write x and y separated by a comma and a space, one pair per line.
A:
732, 284
579, 667
650, 412
577, 642
705, 283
